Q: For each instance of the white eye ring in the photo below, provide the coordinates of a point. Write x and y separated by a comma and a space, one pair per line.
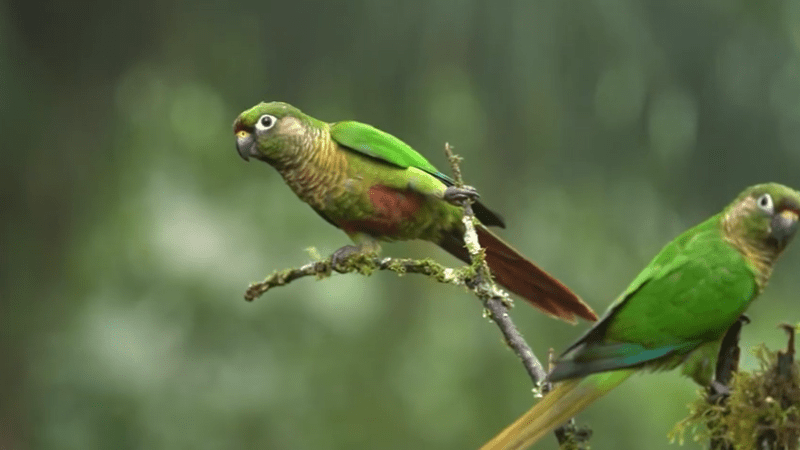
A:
266, 122
765, 203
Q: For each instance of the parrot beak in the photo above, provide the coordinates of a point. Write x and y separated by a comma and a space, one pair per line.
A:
784, 225
245, 145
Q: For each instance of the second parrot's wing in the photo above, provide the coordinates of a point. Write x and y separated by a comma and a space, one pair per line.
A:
695, 286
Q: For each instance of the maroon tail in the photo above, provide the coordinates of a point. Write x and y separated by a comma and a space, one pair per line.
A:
521, 276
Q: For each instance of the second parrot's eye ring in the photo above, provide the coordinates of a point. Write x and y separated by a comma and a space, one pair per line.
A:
265, 122
765, 203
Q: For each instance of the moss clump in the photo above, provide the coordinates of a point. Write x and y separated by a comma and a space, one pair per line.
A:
572, 437
763, 408
363, 263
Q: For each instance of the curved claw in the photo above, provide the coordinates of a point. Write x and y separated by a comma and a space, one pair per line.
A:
718, 391
340, 256
458, 195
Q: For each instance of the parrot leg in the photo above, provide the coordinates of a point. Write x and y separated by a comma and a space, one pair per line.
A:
717, 391
426, 184
365, 245
457, 195
341, 255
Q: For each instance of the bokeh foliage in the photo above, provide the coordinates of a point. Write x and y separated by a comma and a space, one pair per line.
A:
600, 129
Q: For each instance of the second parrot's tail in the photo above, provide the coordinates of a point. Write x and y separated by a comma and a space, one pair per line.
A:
521, 276
567, 399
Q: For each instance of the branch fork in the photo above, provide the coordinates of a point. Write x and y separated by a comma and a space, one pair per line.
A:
476, 277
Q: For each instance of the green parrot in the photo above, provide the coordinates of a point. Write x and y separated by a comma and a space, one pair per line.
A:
675, 311
376, 188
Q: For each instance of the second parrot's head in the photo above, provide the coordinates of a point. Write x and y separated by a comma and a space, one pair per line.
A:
763, 218
271, 132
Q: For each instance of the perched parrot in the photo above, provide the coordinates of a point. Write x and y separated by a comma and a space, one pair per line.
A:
675, 311
377, 188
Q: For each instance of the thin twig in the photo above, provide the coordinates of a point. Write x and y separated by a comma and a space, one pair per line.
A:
362, 264
494, 299
569, 435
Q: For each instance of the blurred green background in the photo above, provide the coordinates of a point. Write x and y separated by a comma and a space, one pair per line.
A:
131, 228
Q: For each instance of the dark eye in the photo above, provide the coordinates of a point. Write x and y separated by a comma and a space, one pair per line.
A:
765, 203
265, 122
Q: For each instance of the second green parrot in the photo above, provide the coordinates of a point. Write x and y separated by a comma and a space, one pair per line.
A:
377, 188
675, 311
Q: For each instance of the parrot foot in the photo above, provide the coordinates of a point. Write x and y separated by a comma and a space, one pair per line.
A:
340, 256
458, 195
343, 258
717, 391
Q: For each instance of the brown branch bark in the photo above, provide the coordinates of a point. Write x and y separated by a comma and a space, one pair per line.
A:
495, 301
359, 263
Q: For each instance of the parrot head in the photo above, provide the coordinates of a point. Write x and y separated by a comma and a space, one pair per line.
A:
764, 218
270, 131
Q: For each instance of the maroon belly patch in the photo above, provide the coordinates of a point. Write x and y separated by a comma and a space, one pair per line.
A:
391, 206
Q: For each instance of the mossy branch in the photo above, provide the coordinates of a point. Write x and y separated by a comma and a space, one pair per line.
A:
759, 410
475, 276
365, 265
495, 300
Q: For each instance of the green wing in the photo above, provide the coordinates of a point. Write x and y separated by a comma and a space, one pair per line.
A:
378, 144
688, 295
370, 141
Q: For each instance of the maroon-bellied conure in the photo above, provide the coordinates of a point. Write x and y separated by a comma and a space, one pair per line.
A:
377, 188
675, 312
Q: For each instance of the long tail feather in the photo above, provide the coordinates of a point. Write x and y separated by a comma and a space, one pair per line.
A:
521, 276
567, 399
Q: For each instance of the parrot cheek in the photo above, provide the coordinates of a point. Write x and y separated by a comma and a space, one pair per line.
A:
784, 226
